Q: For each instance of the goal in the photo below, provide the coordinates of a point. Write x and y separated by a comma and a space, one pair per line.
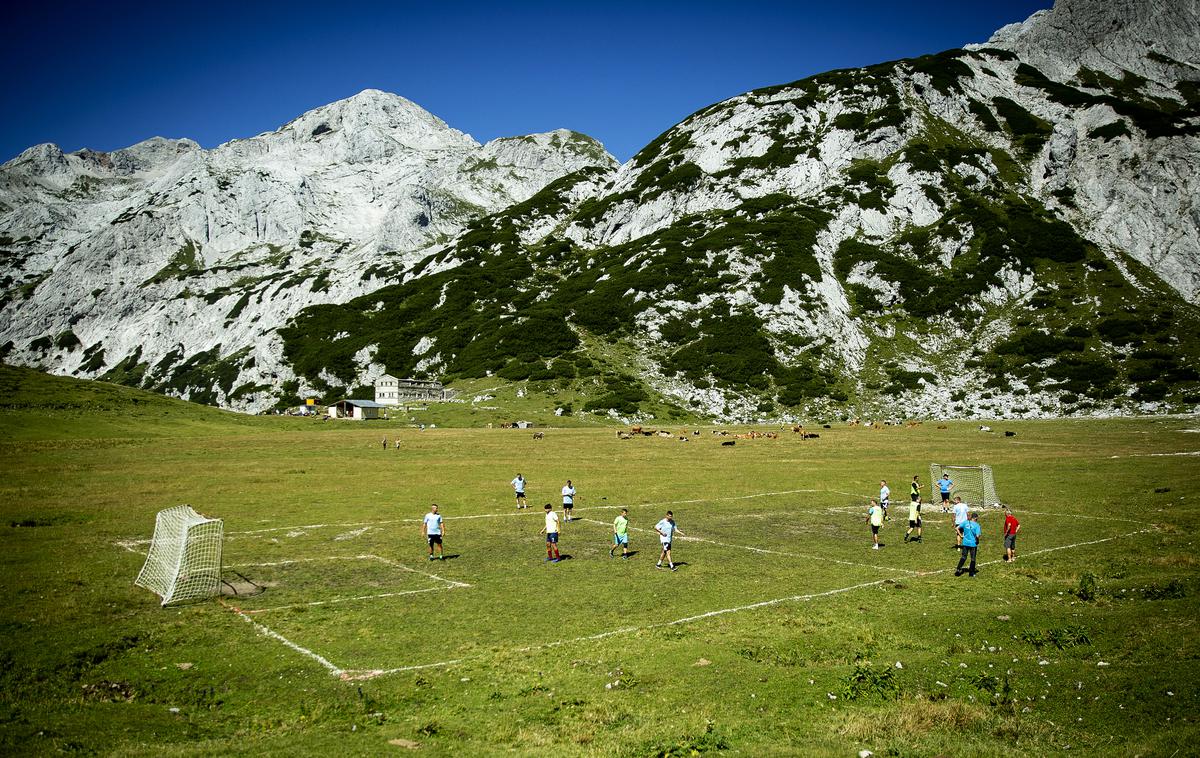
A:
974, 484
184, 562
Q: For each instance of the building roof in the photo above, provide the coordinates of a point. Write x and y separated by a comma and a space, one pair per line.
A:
362, 403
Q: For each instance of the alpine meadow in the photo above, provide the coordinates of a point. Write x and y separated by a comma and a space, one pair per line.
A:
762, 337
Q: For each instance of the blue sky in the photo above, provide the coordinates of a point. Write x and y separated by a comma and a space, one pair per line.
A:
107, 75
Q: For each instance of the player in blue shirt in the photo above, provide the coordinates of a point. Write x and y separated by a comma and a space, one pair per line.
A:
970, 543
432, 529
667, 529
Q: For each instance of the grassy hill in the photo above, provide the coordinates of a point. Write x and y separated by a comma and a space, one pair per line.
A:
780, 634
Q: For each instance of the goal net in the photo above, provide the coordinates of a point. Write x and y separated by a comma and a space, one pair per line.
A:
974, 484
184, 562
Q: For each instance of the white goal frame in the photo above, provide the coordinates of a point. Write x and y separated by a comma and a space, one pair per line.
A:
184, 560
974, 484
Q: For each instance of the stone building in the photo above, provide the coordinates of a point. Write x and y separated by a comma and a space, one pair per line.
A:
392, 391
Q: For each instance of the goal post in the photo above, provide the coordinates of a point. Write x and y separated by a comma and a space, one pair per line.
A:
974, 484
184, 561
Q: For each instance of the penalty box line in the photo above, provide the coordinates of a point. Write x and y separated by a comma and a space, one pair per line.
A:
762, 550
450, 583
360, 674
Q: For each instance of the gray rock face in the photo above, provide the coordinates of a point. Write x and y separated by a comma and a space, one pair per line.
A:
173, 267
160, 252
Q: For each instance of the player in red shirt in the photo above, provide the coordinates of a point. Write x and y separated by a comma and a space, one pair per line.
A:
1011, 527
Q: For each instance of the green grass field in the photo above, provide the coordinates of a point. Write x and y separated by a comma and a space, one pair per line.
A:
782, 633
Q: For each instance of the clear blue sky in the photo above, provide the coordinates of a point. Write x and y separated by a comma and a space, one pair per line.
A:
105, 75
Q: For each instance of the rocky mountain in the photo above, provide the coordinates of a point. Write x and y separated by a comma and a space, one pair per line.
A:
1005, 229
170, 266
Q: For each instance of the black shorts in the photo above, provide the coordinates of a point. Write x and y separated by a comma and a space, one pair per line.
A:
552, 537
520, 496
568, 506
945, 497
914, 524
434, 539
874, 529
914, 498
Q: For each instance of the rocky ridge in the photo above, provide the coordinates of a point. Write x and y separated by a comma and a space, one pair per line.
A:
1002, 230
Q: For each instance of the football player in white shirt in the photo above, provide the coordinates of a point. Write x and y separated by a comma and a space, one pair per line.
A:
432, 530
551, 532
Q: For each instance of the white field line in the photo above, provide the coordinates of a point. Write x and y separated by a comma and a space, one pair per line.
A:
357, 674
685, 538
1156, 455
346, 599
362, 557
332, 669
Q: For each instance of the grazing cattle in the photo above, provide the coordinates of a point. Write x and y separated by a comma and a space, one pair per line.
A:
636, 429
913, 423
985, 428
624, 436
684, 438
942, 426
728, 443
811, 435
797, 429
696, 433
664, 433
826, 426
772, 435
1010, 434
539, 435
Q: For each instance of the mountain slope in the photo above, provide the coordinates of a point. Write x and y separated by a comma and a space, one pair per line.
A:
1005, 229
170, 266
956, 234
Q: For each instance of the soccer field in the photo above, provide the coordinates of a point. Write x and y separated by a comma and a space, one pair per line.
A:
779, 634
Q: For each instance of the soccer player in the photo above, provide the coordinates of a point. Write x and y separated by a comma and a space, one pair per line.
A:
568, 493
960, 518
432, 530
518, 485
1011, 527
914, 519
970, 543
885, 494
875, 519
620, 535
914, 490
945, 486
667, 529
551, 532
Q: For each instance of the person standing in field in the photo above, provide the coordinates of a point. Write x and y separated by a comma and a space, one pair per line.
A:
914, 519
568, 493
551, 532
960, 518
432, 530
945, 485
914, 490
620, 535
1011, 527
385, 443
667, 529
885, 495
875, 519
970, 544
518, 486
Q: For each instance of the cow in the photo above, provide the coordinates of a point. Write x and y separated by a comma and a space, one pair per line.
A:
636, 429
539, 435
664, 433
811, 435
1010, 434
985, 428
728, 443
624, 436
